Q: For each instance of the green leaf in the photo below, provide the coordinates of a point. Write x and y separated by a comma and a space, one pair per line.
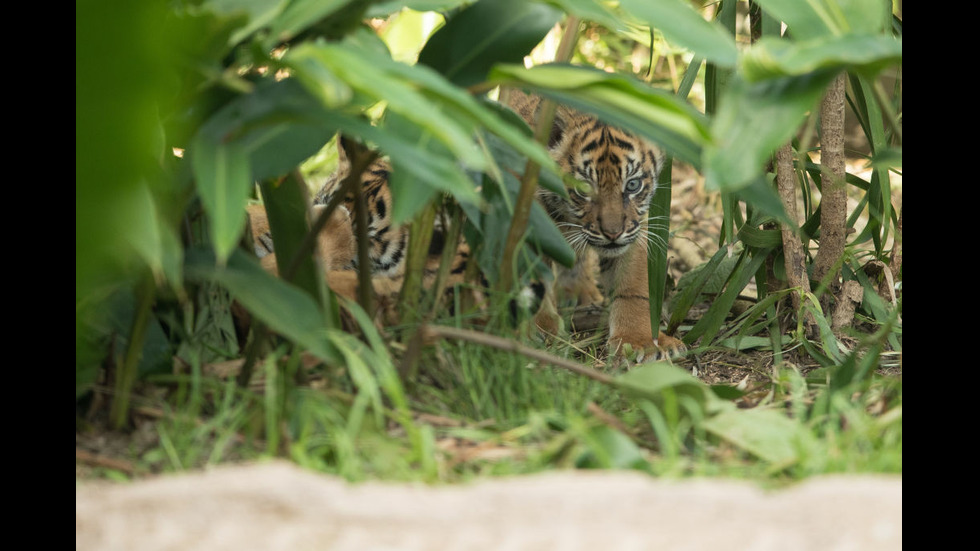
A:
611, 449
650, 380
384, 8
410, 192
774, 57
436, 171
260, 13
767, 434
486, 33
597, 11
822, 18
541, 230
300, 15
760, 192
748, 265
682, 25
149, 235
618, 100
279, 124
285, 308
224, 181
543, 233
286, 205
383, 79
755, 119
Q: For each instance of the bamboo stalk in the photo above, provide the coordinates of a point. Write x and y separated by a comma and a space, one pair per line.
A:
833, 202
794, 256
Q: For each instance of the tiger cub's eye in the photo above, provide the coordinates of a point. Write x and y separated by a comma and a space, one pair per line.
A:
634, 185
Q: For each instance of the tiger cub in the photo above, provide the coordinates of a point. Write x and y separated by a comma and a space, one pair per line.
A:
337, 245
604, 218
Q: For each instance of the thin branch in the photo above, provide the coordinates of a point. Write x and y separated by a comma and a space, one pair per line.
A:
439, 331
97, 460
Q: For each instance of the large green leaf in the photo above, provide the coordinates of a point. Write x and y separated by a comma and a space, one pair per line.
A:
494, 220
774, 57
263, 134
423, 109
755, 119
382, 79
650, 381
384, 8
410, 193
224, 181
149, 235
279, 125
821, 18
767, 434
609, 448
678, 21
486, 33
618, 100
284, 308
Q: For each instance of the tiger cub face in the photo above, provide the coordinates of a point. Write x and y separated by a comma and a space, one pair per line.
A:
616, 173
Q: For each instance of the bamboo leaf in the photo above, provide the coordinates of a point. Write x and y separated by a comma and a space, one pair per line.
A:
279, 125
379, 77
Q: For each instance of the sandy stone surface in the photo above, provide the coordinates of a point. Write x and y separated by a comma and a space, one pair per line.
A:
279, 506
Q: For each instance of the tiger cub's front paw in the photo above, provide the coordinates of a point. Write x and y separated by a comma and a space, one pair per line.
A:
661, 348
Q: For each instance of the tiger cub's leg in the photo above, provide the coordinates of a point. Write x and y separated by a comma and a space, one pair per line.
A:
629, 311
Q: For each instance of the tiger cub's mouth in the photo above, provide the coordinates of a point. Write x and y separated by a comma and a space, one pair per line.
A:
612, 248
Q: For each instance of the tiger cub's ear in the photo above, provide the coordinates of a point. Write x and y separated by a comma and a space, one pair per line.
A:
564, 118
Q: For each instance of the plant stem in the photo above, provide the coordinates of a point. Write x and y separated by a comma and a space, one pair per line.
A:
529, 181
126, 375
